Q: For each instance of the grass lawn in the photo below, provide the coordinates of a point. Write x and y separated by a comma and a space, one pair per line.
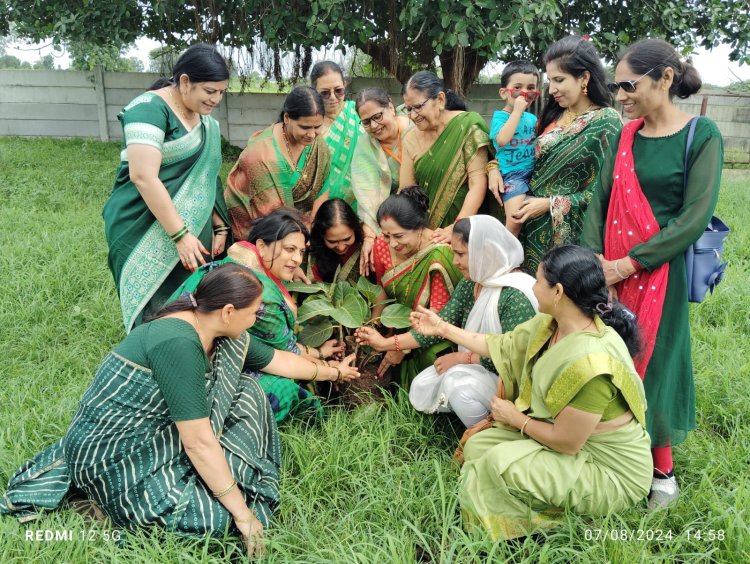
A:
375, 485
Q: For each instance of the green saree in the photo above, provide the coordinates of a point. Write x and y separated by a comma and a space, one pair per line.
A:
124, 452
512, 485
142, 257
443, 170
262, 180
341, 139
566, 172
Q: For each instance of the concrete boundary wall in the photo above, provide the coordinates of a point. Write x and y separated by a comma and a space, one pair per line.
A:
40, 103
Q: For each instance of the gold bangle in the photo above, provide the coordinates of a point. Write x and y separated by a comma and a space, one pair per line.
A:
307, 349
315, 375
252, 518
617, 270
320, 354
491, 165
338, 373
226, 490
523, 427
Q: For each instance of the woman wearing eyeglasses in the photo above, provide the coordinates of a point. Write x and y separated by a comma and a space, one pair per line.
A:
576, 129
642, 218
446, 153
341, 128
285, 165
377, 162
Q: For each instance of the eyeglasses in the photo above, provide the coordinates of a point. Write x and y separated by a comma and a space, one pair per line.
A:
627, 85
377, 118
338, 92
529, 95
417, 108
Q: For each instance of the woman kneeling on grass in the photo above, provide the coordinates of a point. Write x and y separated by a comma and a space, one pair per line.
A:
171, 432
569, 416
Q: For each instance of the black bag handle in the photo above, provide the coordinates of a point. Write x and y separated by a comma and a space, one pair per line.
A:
691, 134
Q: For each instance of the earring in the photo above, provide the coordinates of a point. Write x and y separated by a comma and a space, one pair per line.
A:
585, 89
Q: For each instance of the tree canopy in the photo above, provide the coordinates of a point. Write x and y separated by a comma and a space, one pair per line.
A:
402, 36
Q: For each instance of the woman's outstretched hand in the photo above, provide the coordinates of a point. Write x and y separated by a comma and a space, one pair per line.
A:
425, 321
191, 252
495, 185
391, 358
371, 338
531, 208
442, 234
348, 371
251, 530
332, 348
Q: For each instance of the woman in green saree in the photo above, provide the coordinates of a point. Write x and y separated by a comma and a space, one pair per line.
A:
341, 129
576, 130
570, 412
167, 206
285, 165
336, 240
446, 153
412, 270
170, 432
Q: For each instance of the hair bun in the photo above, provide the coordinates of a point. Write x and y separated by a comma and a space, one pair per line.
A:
418, 196
687, 82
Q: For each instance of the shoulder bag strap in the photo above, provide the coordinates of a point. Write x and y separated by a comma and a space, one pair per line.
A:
691, 134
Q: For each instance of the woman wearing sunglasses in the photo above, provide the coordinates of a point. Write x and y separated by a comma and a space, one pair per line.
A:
377, 162
341, 128
576, 128
285, 165
642, 218
445, 154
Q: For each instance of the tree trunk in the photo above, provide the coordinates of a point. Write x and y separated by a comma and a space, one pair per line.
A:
461, 67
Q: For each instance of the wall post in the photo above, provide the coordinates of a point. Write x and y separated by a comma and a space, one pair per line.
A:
101, 102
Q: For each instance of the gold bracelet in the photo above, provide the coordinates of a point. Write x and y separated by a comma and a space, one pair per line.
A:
320, 354
325, 363
617, 270
491, 165
226, 490
523, 427
315, 375
338, 373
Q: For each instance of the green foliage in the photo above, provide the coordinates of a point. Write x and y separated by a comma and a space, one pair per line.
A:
11, 62
84, 56
372, 485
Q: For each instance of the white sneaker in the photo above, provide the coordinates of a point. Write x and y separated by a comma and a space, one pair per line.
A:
664, 492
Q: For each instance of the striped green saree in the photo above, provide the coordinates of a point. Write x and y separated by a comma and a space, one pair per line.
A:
124, 452
342, 138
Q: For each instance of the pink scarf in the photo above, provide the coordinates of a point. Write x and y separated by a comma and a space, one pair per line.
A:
631, 222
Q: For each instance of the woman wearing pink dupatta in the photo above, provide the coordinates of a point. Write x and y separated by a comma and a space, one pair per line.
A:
642, 219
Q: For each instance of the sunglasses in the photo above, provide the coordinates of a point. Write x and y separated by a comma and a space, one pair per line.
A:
627, 85
377, 118
417, 108
529, 95
338, 92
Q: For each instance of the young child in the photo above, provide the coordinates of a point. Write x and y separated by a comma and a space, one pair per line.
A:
512, 134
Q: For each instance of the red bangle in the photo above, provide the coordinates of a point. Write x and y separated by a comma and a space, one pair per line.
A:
395, 342
468, 357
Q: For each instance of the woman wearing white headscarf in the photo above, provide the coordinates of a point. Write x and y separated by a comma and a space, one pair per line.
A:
494, 297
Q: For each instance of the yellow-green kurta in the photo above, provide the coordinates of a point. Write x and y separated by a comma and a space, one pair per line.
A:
513, 485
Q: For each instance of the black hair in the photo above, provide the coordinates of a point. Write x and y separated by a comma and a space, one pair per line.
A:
430, 85
408, 207
373, 94
277, 225
652, 56
302, 101
575, 56
462, 228
322, 68
331, 213
580, 273
201, 63
228, 283
514, 67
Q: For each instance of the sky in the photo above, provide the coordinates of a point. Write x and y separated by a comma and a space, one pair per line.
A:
714, 66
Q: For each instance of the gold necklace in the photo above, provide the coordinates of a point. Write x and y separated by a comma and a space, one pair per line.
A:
288, 148
569, 116
556, 336
180, 106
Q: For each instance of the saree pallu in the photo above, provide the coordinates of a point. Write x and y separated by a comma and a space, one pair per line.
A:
342, 138
567, 172
262, 180
124, 452
142, 257
348, 271
443, 170
409, 284
512, 485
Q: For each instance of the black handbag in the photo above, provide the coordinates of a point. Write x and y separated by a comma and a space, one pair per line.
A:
703, 263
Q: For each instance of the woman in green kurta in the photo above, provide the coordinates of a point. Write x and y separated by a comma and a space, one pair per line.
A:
170, 432
285, 165
576, 129
446, 152
493, 297
643, 219
341, 128
167, 194
569, 416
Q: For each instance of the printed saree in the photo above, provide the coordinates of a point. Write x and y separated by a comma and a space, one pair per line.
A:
142, 257
567, 172
512, 485
342, 138
348, 271
262, 180
124, 452
443, 170
274, 326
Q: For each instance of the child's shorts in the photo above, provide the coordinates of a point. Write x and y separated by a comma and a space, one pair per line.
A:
516, 183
